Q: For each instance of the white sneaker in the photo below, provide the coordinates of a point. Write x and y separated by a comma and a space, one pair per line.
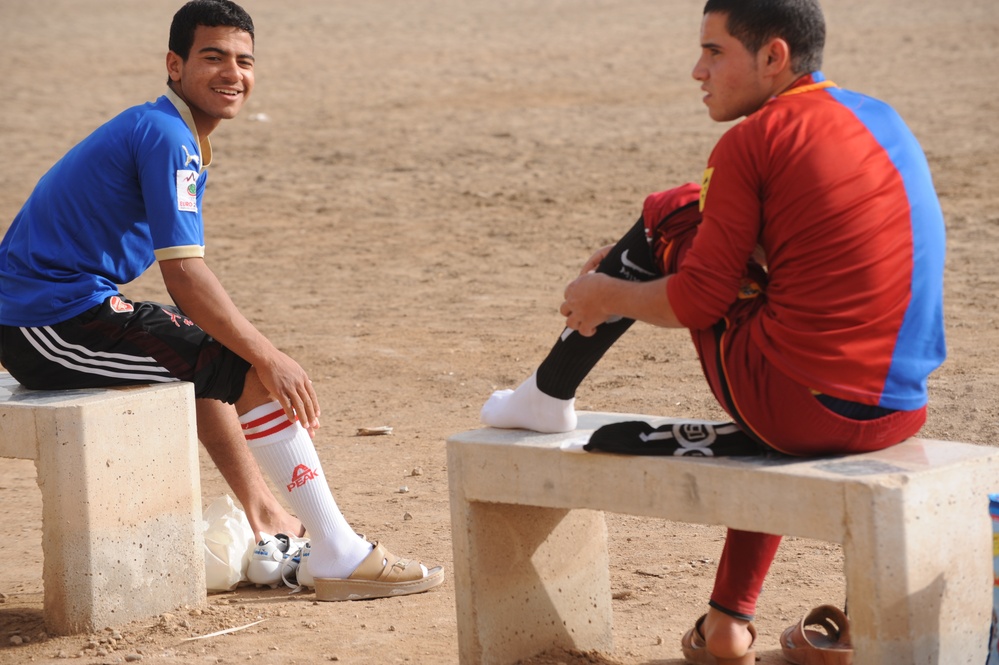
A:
274, 559
304, 577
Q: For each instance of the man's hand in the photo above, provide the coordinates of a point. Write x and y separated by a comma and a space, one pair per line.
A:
594, 298
573, 311
288, 383
586, 305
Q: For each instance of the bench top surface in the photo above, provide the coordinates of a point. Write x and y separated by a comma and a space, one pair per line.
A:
25, 413
911, 456
13, 394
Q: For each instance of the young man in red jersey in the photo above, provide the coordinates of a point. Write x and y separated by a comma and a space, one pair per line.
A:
807, 265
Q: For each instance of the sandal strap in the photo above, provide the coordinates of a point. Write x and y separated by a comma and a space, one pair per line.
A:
694, 638
382, 566
832, 620
835, 642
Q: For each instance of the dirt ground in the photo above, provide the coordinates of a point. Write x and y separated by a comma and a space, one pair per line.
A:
399, 207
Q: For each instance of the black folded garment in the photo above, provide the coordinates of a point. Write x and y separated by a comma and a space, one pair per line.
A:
689, 438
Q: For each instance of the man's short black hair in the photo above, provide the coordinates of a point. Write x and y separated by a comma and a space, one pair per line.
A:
798, 22
209, 13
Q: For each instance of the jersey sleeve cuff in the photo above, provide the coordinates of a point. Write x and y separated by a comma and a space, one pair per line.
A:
180, 252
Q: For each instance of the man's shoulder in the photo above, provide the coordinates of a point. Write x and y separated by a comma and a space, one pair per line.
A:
829, 102
159, 112
740, 136
815, 114
863, 104
148, 133
154, 128
792, 123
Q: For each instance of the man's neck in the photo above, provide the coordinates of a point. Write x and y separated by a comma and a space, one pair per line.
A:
785, 81
205, 124
187, 114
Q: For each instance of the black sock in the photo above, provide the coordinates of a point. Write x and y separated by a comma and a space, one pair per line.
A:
690, 438
573, 355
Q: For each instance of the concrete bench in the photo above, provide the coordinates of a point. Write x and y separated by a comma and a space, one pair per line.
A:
121, 498
530, 542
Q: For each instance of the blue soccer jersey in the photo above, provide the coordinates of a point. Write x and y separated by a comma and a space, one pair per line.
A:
128, 194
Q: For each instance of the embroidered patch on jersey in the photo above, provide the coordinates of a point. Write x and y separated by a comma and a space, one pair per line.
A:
705, 182
187, 191
119, 305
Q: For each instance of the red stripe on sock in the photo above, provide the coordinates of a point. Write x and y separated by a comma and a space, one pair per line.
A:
267, 432
263, 419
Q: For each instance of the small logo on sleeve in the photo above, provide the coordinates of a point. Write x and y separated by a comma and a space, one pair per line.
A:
705, 183
188, 157
187, 191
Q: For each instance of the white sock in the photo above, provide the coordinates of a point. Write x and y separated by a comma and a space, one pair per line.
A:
529, 408
285, 452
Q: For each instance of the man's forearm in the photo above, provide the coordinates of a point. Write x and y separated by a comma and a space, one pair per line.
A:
644, 301
594, 298
200, 295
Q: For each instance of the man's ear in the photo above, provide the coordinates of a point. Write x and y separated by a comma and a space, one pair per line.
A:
174, 65
775, 57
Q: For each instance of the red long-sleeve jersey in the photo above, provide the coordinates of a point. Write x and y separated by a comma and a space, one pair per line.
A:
838, 193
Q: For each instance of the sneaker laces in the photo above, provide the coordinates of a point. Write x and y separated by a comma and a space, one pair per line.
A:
290, 566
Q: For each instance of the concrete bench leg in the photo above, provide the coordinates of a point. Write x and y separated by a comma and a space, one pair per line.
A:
915, 595
541, 580
121, 503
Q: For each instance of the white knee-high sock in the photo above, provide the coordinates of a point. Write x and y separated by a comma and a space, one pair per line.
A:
285, 452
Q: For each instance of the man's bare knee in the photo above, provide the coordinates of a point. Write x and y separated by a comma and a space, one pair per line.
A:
254, 393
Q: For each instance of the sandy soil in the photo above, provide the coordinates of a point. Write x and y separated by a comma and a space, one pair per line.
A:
400, 206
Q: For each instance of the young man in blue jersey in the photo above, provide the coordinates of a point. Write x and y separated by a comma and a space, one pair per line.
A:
807, 265
130, 195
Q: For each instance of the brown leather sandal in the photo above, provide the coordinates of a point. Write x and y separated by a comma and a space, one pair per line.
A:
381, 575
831, 645
696, 651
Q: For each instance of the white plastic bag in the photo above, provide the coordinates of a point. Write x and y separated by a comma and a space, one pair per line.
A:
228, 544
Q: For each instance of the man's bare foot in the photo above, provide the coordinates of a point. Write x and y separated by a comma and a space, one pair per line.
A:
274, 522
529, 408
726, 636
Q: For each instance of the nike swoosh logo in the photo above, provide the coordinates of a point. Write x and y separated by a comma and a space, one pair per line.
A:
632, 266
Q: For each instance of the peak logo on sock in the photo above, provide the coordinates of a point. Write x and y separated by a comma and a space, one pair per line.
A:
301, 475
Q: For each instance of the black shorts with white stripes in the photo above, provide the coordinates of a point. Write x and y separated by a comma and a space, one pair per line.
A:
121, 342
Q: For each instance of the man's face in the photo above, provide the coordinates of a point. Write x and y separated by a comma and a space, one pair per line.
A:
217, 76
729, 74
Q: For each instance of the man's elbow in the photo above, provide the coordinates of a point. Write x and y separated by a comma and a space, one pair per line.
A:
179, 275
